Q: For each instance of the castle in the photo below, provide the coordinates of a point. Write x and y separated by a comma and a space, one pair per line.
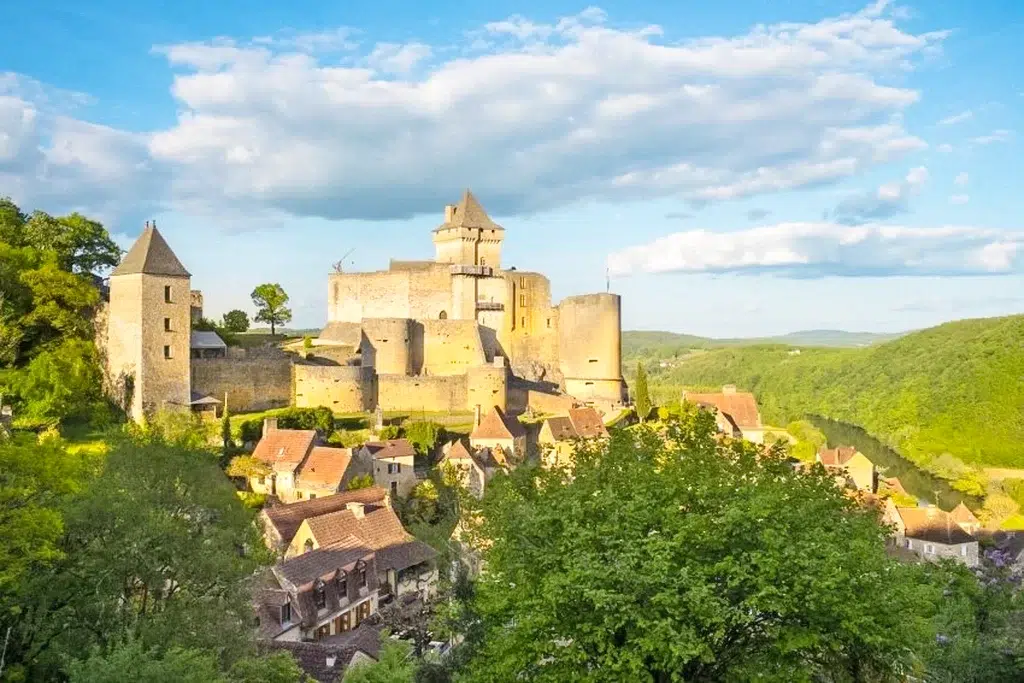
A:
442, 335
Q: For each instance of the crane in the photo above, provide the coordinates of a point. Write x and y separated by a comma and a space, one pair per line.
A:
338, 267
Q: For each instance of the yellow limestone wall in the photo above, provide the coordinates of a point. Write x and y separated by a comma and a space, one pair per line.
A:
343, 389
590, 346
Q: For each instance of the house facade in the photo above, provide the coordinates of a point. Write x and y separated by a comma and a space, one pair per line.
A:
473, 469
559, 435
736, 412
393, 464
931, 533
503, 434
299, 467
851, 467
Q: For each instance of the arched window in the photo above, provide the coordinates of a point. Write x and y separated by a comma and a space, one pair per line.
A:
309, 545
443, 315
319, 594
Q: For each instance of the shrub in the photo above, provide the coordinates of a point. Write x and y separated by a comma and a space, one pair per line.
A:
424, 435
388, 432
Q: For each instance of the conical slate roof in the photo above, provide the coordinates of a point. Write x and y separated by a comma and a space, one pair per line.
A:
469, 214
151, 255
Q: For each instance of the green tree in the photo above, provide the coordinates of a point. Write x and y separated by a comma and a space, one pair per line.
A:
271, 306
423, 435
276, 667
61, 383
247, 467
236, 321
641, 394
132, 663
80, 244
681, 559
394, 665
360, 481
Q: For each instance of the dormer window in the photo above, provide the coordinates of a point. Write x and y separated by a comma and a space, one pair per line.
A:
319, 594
286, 613
308, 545
361, 574
342, 580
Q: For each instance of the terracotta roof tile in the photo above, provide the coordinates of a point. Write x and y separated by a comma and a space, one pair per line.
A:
379, 529
392, 448
287, 519
932, 524
836, 457
740, 406
321, 563
587, 423
458, 451
497, 425
961, 514
325, 467
284, 449
561, 428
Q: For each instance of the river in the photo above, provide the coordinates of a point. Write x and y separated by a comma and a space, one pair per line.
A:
916, 481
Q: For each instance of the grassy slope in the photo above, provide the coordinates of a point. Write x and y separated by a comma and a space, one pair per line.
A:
956, 388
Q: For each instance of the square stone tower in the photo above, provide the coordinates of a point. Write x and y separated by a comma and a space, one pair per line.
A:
468, 236
149, 329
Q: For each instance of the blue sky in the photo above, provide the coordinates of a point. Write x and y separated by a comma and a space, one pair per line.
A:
742, 168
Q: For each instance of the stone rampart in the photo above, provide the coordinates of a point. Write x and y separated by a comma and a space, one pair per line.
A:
342, 388
252, 383
430, 394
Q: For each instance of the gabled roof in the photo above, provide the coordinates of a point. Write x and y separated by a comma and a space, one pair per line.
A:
933, 525
151, 255
392, 448
961, 514
203, 400
458, 451
497, 425
470, 214
206, 339
284, 449
740, 406
487, 459
561, 428
325, 467
287, 519
836, 457
378, 529
587, 423
325, 560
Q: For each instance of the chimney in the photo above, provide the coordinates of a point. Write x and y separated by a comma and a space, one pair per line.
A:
729, 389
476, 416
449, 213
269, 425
357, 509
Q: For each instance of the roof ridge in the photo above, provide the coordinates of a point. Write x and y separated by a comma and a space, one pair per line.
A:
151, 255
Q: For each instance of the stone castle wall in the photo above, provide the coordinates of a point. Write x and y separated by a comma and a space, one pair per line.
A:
252, 381
398, 392
342, 388
590, 347
403, 293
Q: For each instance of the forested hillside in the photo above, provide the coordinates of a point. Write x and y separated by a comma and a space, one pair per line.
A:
957, 388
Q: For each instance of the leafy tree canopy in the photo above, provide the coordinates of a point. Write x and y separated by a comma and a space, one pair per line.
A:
423, 435
236, 321
682, 559
271, 305
394, 665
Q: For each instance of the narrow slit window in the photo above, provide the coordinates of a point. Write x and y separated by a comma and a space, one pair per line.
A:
167, 294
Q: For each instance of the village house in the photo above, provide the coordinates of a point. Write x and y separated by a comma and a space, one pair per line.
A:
327, 660
300, 468
851, 467
931, 533
558, 435
281, 522
393, 464
967, 520
736, 412
501, 433
317, 594
473, 469
406, 567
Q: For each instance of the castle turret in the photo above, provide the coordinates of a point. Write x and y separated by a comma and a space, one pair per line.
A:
468, 236
149, 328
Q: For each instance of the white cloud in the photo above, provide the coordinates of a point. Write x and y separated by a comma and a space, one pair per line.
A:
887, 201
957, 118
945, 148
571, 110
817, 249
959, 199
961, 179
995, 136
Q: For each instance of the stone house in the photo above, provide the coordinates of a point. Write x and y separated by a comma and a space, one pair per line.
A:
851, 467
392, 462
326, 592
327, 660
405, 566
300, 467
736, 412
967, 520
473, 469
501, 433
931, 533
558, 435
281, 522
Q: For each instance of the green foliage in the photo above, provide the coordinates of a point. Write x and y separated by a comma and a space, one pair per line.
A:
395, 665
360, 481
236, 321
271, 306
80, 245
683, 559
133, 663
63, 382
424, 435
951, 389
321, 419
152, 550
388, 432
641, 395
276, 667
422, 506
1014, 488
349, 438
247, 467
307, 342
809, 439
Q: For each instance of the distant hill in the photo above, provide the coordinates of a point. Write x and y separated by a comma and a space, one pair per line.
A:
667, 344
956, 388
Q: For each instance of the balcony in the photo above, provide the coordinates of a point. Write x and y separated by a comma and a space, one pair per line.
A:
490, 306
479, 271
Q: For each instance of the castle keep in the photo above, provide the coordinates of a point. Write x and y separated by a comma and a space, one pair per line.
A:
461, 331
444, 335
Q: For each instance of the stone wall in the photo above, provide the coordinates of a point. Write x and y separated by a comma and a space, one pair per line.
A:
402, 293
487, 386
398, 392
252, 382
446, 347
342, 388
590, 346
387, 345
